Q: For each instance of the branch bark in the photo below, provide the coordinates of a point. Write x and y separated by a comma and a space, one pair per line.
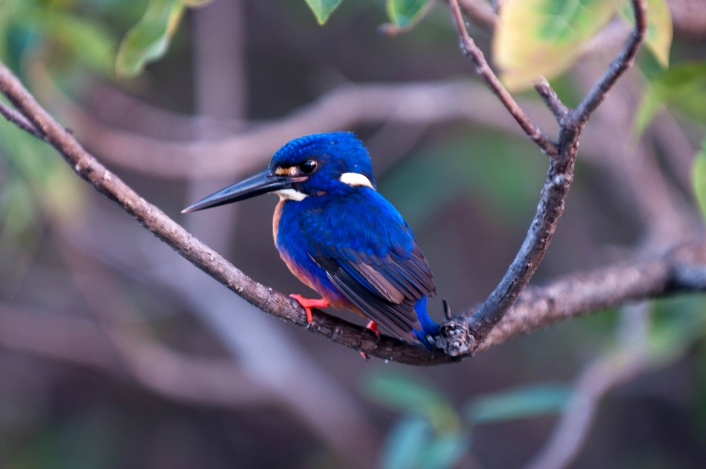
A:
463, 335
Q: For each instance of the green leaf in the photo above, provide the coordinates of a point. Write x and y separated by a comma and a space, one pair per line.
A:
659, 28
536, 38
530, 401
323, 8
412, 395
445, 451
683, 85
149, 39
195, 3
404, 12
677, 323
406, 443
88, 41
699, 178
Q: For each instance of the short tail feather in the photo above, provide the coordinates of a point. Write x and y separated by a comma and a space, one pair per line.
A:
429, 327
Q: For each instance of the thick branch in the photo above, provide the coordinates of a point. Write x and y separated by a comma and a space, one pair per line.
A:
167, 230
459, 338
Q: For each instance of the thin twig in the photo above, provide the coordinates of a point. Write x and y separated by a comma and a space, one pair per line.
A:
476, 55
19, 120
550, 98
480, 12
620, 64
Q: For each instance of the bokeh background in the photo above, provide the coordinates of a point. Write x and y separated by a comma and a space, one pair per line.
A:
116, 353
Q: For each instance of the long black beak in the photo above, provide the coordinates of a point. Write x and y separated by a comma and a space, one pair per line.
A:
260, 183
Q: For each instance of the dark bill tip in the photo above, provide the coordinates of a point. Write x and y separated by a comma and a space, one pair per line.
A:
260, 183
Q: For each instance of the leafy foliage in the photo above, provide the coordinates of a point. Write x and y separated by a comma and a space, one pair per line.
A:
525, 402
699, 178
149, 39
404, 12
544, 37
683, 86
323, 8
432, 435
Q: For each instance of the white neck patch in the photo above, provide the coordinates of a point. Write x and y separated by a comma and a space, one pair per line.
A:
290, 194
356, 179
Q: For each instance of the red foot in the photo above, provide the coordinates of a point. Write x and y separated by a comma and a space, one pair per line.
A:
372, 326
365, 356
307, 304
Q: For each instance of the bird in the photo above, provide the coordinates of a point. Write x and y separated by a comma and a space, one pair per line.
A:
339, 236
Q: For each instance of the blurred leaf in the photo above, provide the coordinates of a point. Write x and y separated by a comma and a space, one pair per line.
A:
698, 175
659, 28
17, 210
497, 172
149, 39
88, 41
82, 442
406, 443
445, 451
683, 85
536, 38
195, 3
404, 12
412, 395
531, 401
677, 324
52, 182
323, 8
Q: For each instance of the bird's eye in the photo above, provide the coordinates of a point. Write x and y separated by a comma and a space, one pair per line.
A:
309, 166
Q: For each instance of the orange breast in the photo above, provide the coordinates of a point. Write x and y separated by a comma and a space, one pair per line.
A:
337, 300
275, 219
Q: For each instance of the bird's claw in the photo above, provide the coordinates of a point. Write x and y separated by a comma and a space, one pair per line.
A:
308, 303
372, 326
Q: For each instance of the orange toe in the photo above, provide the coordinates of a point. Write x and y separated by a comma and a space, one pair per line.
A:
372, 326
308, 303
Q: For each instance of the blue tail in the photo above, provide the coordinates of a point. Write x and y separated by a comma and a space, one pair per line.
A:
429, 327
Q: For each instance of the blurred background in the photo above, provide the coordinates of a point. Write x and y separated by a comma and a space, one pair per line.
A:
117, 353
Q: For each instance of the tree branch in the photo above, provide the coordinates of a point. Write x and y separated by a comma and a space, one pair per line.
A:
463, 335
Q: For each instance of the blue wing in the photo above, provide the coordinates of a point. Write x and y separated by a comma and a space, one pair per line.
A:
370, 255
